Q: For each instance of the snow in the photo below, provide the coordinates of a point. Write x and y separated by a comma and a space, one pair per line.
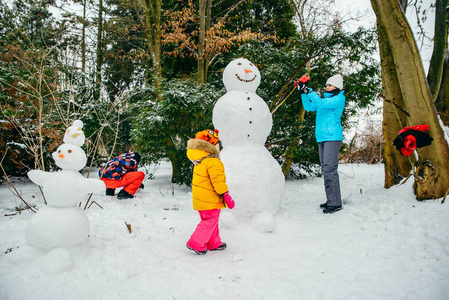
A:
383, 245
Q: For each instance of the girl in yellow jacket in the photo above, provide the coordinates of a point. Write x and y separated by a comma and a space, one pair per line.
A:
209, 191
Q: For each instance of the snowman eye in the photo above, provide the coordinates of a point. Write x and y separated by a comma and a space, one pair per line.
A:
59, 151
70, 151
239, 64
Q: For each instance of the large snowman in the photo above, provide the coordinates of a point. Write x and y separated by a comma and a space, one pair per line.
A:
254, 177
62, 222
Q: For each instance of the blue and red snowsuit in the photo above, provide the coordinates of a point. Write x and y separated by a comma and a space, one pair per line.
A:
122, 171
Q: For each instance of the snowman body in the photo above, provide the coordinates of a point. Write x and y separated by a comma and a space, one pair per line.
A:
254, 177
62, 222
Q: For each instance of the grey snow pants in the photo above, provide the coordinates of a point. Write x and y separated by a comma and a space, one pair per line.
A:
328, 152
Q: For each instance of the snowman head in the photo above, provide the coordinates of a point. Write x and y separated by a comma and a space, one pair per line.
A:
70, 157
241, 75
74, 134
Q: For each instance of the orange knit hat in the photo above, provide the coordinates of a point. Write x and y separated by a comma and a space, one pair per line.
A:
208, 135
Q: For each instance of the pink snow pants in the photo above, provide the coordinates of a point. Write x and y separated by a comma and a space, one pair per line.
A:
206, 235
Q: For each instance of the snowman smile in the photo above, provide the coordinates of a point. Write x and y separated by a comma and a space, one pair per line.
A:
245, 80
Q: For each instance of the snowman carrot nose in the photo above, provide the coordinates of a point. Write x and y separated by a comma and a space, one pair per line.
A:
248, 71
61, 155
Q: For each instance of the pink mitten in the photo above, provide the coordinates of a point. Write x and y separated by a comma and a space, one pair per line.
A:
228, 199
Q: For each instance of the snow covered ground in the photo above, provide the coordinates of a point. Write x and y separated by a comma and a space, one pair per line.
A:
382, 245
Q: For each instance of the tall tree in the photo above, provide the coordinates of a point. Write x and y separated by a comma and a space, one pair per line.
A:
100, 47
432, 167
150, 17
396, 165
194, 31
443, 96
435, 73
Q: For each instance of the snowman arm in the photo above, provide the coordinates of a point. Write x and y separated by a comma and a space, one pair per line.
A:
91, 185
38, 176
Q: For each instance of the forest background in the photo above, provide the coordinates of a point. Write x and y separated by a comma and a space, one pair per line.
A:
145, 75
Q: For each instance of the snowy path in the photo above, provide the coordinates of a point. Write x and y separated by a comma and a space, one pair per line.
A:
382, 245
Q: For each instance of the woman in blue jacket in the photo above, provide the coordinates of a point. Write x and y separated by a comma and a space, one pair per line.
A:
328, 134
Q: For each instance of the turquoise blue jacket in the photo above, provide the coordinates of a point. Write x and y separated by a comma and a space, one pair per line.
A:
328, 114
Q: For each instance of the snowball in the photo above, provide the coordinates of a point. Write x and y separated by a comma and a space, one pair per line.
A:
70, 157
228, 220
242, 75
53, 227
74, 134
254, 178
242, 117
78, 123
264, 222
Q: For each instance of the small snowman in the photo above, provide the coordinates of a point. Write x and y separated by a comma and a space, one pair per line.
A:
62, 223
254, 177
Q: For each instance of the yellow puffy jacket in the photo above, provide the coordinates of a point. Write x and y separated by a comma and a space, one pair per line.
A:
209, 180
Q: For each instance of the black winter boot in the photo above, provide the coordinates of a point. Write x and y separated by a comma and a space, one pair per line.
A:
110, 192
219, 248
323, 205
197, 252
331, 209
124, 195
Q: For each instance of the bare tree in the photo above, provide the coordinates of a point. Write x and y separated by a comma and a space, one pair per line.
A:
432, 166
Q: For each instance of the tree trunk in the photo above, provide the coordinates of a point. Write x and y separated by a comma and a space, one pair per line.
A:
290, 151
99, 49
172, 156
201, 42
396, 165
151, 23
432, 175
443, 96
435, 73
83, 41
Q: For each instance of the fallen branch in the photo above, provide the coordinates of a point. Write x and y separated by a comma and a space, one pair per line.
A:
445, 195
129, 227
405, 180
90, 196
96, 204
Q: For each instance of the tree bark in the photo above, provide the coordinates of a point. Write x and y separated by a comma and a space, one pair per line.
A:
396, 165
151, 23
99, 49
443, 95
202, 41
435, 73
432, 174
83, 41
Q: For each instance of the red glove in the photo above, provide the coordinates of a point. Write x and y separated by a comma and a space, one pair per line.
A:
304, 79
228, 200
409, 145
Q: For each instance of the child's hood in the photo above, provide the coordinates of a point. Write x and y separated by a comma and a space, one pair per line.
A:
197, 149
